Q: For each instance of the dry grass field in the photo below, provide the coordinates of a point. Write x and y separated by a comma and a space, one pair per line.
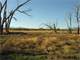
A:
40, 45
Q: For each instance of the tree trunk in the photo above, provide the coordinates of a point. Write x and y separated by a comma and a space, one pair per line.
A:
70, 30
55, 30
0, 23
78, 28
6, 27
1, 29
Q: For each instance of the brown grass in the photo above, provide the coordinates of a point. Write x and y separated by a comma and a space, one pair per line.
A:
60, 45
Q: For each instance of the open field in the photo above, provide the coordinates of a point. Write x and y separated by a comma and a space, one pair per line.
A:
40, 45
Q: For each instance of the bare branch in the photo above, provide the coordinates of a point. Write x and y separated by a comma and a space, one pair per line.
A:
3, 5
5, 12
18, 8
14, 18
24, 12
0, 6
49, 26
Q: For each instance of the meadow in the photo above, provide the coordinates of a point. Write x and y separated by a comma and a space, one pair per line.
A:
39, 44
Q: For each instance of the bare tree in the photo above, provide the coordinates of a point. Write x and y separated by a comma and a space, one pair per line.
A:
2, 19
52, 26
78, 17
69, 23
6, 19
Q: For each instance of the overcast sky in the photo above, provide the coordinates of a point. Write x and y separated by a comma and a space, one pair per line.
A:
43, 11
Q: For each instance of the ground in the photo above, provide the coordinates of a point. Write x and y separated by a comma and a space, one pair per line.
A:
41, 44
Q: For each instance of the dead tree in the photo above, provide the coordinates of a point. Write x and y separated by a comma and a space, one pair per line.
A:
6, 19
52, 26
78, 18
55, 28
2, 19
69, 23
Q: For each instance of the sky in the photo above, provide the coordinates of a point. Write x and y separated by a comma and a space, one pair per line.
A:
43, 12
